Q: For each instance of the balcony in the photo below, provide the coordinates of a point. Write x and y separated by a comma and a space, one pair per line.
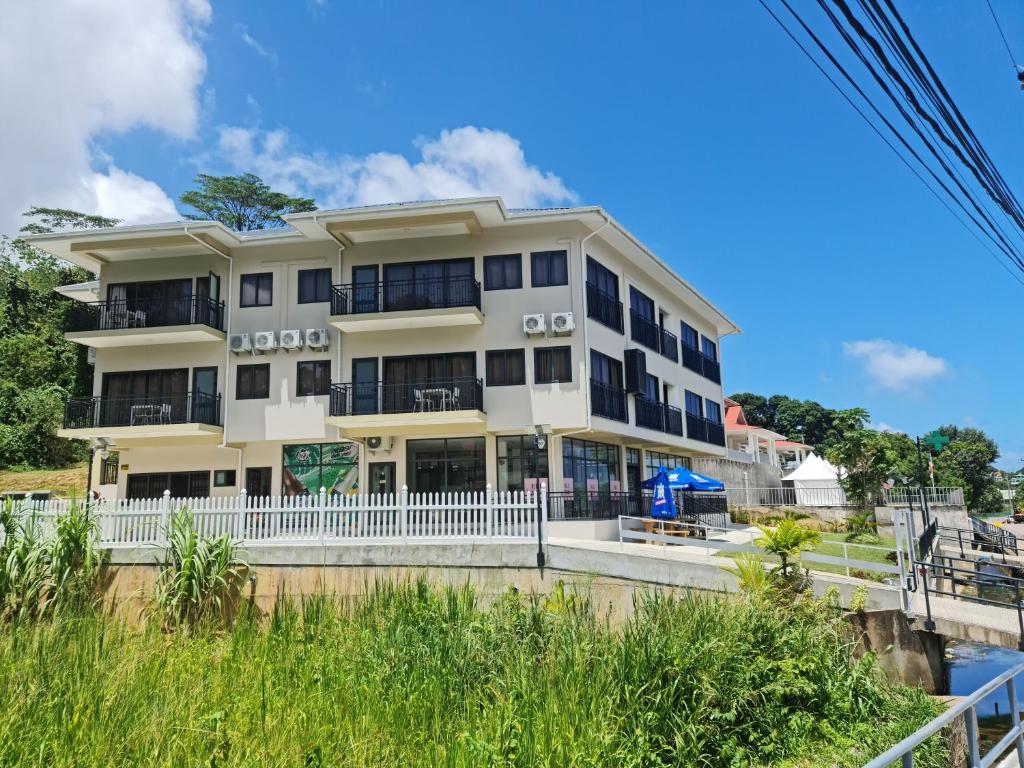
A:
704, 430
643, 331
379, 407
659, 416
138, 322
673, 420
609, 402
670, 345
698, 362
397, 304
143, 416
604, 308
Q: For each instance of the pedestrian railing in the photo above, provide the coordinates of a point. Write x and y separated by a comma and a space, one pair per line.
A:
318, 519
787, 497
936, 495
966, 707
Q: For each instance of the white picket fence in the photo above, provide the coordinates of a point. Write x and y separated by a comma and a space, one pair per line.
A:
317, 520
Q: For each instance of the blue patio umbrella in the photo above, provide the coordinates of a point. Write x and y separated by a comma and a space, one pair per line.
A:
663, 506
682, 479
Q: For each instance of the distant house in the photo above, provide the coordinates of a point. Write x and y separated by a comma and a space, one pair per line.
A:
748, 443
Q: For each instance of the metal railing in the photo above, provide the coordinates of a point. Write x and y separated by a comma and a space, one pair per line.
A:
137, 411
604, 307
936, 495
673, 419
607, 401
787, 497
644, 331
670, 345
648, 413
967, 707
698, 362
704, 430
427, 396
398, 295
710, 508
124, 314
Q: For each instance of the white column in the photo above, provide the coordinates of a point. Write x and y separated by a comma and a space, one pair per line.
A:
773, 458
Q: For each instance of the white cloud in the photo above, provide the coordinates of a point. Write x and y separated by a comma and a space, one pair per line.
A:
894, 366
461, 162
77, 71
882, 426
256, 45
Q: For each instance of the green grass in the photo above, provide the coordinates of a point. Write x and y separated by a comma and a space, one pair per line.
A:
832, 544
413, 676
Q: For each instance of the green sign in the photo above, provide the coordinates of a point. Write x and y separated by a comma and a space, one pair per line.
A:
936, 441
308, 468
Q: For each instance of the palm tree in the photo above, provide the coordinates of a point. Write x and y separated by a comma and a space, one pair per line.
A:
750, 573
786, 541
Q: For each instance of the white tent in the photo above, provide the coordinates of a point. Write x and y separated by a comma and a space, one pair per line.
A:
816, 483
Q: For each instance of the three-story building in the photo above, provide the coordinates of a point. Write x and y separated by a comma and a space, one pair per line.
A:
438, 345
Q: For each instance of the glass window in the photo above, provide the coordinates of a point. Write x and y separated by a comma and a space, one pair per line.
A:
506, 367
651, 387
503, 272
314, 285
309, 467
584, 460
456, 464
313, 378
642, 304
520, 459
257, 290
689, 335
605, 370
713, 411
548, 268
252, 382
552, 365
654, 459
602, 278
694, 404
223, 478
709, 348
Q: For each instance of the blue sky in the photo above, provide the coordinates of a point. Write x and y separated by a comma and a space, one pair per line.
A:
698, 125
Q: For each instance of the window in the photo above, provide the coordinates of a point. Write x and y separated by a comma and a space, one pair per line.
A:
654, 459
252, 382
689, 336
223, 478
182, 485
314, 285
503, 272
548, 268
308, 468
603, 295
313, 377
258, 481
642, 304
506, 367
257, 290
714, 411
709, 348
590, 466
519, 459
108, 469
605, 370
456, 464
694, 404
650, 388
603, 279
552, 365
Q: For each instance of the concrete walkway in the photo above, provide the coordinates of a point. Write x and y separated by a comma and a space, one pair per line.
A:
967, 620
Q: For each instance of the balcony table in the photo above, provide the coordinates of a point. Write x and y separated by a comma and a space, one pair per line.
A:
150, 414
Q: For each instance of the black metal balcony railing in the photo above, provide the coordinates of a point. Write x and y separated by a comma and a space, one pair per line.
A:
670, 345
704, 430
119, 315
604, 308
673, 420
649, 413
607, 401
139, 411
701, 508
643, 331
698, 362
397, 295
435, 395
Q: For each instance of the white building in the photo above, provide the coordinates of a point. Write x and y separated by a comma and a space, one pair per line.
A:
421, 344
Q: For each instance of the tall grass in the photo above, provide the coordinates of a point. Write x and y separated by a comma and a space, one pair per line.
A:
416, 676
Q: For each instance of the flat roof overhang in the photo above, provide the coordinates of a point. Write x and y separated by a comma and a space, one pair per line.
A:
397, 424
137, 337
149, 432
407, 319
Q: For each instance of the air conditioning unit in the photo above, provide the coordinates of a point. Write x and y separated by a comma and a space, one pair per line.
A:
90, 356
239, 342
291, 340
533, 324
266, 341
562, 323
377, 443
317, 338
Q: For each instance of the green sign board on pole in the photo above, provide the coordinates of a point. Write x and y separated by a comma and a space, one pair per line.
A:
936, 441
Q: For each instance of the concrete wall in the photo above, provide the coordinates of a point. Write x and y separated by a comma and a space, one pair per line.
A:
737, 474
913, 657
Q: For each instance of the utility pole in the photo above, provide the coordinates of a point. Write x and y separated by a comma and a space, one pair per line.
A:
921, 483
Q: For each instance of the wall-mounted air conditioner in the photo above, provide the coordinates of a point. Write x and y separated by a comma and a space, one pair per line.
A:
533, 324
378, 444
562, 323
265, 341
317, 338
239, 342
291, 340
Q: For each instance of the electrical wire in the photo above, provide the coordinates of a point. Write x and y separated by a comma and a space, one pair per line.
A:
1013, 61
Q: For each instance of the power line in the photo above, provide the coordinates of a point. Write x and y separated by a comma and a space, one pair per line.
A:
1013, 61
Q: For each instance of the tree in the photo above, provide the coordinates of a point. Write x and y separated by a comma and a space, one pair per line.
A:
51, 219
755, 408
805, 421
869, 460
242, 202
786, 541
967, 460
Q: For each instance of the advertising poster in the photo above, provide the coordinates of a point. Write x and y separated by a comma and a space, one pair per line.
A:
310, 467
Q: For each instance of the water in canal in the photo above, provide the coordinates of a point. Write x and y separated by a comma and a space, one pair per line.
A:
970, 665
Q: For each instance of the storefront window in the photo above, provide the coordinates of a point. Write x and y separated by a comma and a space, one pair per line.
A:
654, 459
591, 466
309, 467
519, 460
456, 464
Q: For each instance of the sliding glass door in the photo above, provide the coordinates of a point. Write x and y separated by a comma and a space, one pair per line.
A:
146, 397
428, 284
409, 382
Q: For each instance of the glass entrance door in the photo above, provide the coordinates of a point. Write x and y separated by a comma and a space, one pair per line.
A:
204, 396
382, 477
